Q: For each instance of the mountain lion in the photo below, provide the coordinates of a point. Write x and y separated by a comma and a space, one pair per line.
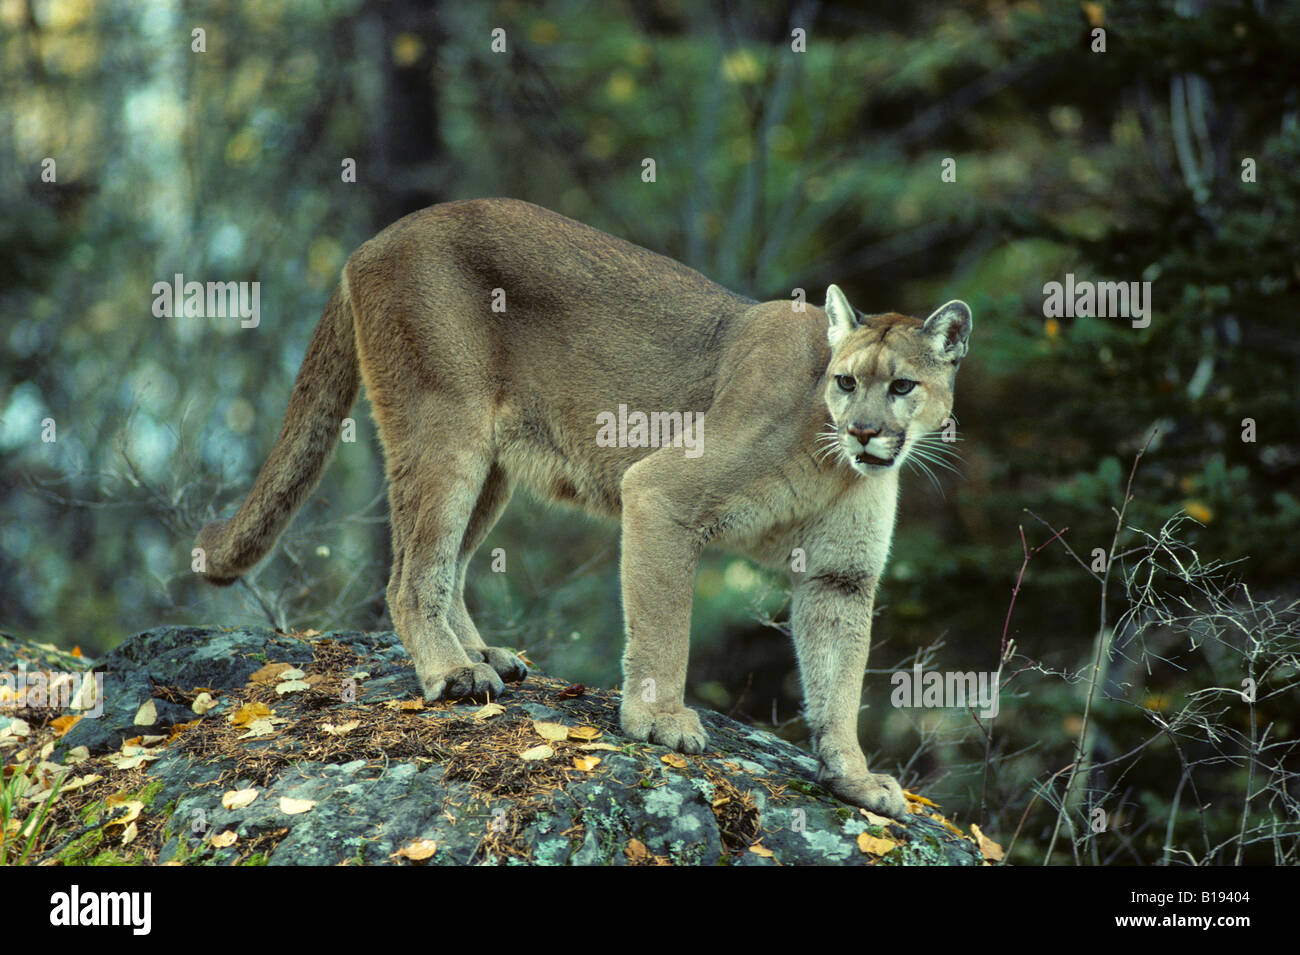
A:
494, 337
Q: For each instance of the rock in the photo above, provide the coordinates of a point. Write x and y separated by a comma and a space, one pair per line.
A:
371, 774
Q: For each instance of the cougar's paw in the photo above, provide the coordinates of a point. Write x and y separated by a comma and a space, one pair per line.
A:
874, 791
477, 681
508, 666
677, 729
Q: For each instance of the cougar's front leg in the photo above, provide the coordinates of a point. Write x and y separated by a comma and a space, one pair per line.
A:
831, 618
659, 558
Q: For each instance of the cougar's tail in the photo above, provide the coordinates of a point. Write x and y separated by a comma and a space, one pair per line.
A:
322, 396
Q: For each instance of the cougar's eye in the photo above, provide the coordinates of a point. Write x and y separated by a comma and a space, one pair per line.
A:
901, 386
846, 382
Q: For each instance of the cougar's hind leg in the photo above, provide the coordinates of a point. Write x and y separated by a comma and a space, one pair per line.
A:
435, 482
423, 369
491, 503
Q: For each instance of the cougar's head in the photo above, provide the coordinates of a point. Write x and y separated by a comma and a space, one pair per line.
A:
890, 380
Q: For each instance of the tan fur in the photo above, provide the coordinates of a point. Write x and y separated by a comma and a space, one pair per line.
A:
471, 403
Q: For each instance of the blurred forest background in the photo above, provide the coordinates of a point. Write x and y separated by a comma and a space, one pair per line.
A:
1170, 154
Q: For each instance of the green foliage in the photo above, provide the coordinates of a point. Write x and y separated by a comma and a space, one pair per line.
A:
20, 832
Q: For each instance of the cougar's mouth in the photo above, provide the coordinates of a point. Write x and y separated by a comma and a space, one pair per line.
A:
866, 458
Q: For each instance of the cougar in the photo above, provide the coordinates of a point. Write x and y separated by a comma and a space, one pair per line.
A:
503, 345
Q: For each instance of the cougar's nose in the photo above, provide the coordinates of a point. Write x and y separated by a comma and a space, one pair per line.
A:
863, 434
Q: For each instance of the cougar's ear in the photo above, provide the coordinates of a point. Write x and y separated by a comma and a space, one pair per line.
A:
948, 330
844, 318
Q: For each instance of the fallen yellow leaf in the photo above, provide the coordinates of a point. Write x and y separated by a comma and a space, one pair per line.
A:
989, 849
269, 673
259, 728
673, 760
418, 850
249, 712
875, 846
488, 711
587, 733
294, 807
238, 798
78, 782
586, 763
146, 715
179, 728
876, 820
537, 752
951, 828
62, 724
224, 839
131, 811
550, 731
761, 850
